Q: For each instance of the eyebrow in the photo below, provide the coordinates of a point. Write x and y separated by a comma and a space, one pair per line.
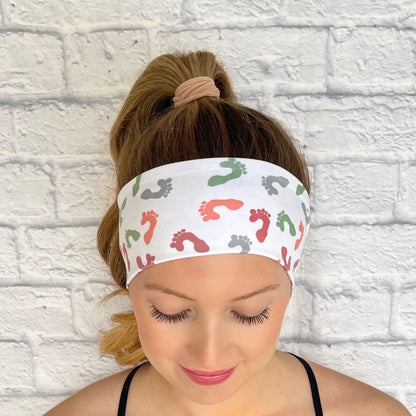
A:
154, 286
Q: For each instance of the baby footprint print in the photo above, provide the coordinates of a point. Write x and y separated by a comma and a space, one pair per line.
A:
207, 208
263, 215
237, 169
126, 255
136, 185
150, 217
307, 216
283, 218
300, 189
150, 261
133, 234
296, 264
267, 182
286, 264
165, 188
123, 205
241, 240
178, 238
301, 229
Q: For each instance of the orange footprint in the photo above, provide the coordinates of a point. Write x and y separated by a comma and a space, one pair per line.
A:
207, 208
301, 229
151, 217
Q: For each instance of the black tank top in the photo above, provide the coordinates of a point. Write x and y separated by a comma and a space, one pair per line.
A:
311, 376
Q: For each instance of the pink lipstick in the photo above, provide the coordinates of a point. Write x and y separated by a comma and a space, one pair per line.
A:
209, 378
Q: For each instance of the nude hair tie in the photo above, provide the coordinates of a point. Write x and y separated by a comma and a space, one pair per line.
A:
195, 88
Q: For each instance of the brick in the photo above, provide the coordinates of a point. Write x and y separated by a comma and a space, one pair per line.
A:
351, 314
353, 252
371, 57
290, 59
100, 61
338, 11
297, 321
67, 255
28, 405
407, 312
406, 204
20, 183
79, 361
354, 191
205, 10
92, 11
57, 13
410, 401
381, 365
285, 111
31, 63
89, 316
8, 254
35, 310
358, 127
64, 129
16, 371
157, 11
83, 191
7, 139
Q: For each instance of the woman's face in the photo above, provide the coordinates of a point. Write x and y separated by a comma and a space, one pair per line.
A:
208, 331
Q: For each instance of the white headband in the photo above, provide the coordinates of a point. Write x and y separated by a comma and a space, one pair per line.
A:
212, 206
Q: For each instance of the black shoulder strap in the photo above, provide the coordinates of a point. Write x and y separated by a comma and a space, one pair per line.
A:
125, 391
314, 386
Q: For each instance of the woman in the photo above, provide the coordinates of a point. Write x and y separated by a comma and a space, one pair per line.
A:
205, 235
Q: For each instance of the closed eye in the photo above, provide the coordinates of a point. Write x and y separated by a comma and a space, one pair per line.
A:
177, 317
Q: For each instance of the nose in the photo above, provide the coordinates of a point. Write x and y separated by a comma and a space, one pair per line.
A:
208, 342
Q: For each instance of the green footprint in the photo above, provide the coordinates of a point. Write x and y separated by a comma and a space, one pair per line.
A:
133, 234
300, 189
237, 167
282, 217
136, 185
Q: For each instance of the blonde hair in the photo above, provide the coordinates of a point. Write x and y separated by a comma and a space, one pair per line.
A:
150, 132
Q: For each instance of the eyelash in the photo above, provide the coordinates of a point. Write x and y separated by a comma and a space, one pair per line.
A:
248, 320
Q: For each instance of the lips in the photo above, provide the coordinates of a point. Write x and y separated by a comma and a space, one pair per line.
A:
209, 373
210, 378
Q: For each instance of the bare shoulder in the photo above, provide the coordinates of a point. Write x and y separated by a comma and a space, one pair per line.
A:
98, 398
343, 395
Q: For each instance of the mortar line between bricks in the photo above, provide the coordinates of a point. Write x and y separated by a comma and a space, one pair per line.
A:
95, 221
263, 24
371, 22
382, 342
3, 14
116, 93
78, 160
66, 66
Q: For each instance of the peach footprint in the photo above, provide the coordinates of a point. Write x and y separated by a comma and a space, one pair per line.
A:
200, 246
261, 214
207, 208
301, 229
151, 217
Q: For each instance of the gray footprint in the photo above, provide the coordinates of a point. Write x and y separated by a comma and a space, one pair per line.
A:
123, 205
307, 215
165, 188
267, 182
241, 240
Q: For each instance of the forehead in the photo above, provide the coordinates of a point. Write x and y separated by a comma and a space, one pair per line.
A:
214, 274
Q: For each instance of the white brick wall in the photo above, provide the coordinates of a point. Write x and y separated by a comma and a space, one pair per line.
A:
339, 74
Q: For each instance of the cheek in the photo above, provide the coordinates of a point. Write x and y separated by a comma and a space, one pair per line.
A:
156, 339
